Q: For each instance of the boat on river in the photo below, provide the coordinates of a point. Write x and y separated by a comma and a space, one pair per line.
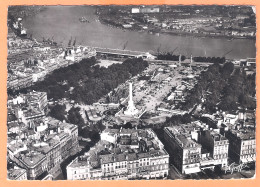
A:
83, 20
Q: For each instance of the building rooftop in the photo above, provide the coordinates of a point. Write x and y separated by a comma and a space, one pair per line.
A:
80, 161
186, 142
244, 134
182, 136
11, 117
217, 137
92, 114
31, 159
15, 173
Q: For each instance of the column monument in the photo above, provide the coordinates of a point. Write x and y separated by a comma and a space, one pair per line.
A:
131, 110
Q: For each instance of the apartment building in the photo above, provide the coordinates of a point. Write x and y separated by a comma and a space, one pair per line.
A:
122, 159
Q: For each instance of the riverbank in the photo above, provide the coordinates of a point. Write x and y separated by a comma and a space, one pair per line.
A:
174, 33
62, 23
24, 11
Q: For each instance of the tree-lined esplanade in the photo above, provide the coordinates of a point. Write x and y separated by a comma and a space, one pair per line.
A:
89, 81
223, 87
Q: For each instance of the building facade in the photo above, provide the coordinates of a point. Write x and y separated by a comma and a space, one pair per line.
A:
122, 159
185, 151
217, 145
242, 147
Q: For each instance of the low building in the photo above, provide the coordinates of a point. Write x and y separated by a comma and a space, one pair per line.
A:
92, 115
251, 62
230, 118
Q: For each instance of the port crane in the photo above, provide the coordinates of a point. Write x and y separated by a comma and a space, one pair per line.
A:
74, 43
52, 41
31, 36
227, 53
125, 44
43, 40
69, 44
174, 50
158, 49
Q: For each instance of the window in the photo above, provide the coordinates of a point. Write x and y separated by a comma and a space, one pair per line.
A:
75, 172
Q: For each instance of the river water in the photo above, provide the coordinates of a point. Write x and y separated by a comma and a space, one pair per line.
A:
62, 23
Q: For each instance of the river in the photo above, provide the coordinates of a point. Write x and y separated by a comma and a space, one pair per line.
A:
62, 23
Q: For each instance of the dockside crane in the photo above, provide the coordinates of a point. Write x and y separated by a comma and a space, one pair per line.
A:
125, 44
227, 53
174, 50
158, 49
69, 44
52, 41
74, 43
49, 41
31, 36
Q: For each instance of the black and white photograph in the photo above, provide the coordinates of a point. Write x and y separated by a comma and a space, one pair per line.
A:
131, 92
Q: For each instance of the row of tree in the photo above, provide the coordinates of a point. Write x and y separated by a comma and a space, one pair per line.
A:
89, 81
223, 88
73, 116
220, 60
239, 91
170, 56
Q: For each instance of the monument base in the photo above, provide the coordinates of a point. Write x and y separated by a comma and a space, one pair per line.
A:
131, 112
